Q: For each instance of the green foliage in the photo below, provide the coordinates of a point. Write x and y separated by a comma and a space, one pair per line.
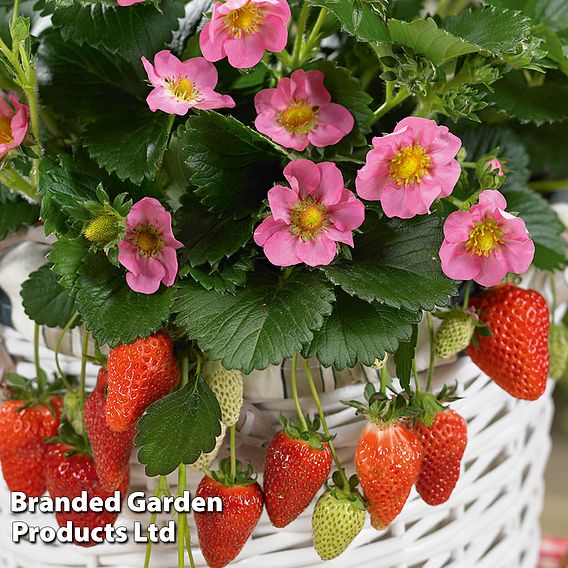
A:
224, 277
67, 255
112, 311
261, 324
395, 262
404, 357
16, 213
232, 165
360, 332
178, 428
45, 301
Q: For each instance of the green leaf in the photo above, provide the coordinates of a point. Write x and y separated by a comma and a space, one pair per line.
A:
233, 165
112, 311
396, 262
553, 13
490, 29
360, 332
16, 214
426, 38
406, 9
347, 91
547, 148
539, 104
178, 428
208, 237
127, 33
404, 358
544, 227
364, 23
224, 278
67, 255
45, 301
260, 325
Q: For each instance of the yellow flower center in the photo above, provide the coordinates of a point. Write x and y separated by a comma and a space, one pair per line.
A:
309, 219
6, 131
485, 238
244, 20
148, 240
409, 165
299, 118
183, 89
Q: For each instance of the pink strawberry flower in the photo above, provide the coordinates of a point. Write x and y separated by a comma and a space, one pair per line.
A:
13, 123
410, 168
182, 85
486, 242
148, 249
242, 30
310, 217
494, 165
128, 2
299, 112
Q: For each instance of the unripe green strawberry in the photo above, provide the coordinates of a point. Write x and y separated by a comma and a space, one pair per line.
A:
454, 334
227, 387
204, 461
336, 521
558, 350
102, 229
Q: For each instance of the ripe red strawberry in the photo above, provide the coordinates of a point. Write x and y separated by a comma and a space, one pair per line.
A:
387, 457
222, 535
444, 444
111, 450
295, 468
515, 356
139, 374
22, 447
68, 476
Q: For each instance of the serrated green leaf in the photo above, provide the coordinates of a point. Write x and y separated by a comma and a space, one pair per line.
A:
404, 357
426, 38
260, 325
553, 13
111, 310
406, 9
539, 104
224, 278
178, 428
67, 255
364, 23
360, 332
45, 301
544, 227
396, 262
547, 148
16, 214
143, 30
491, 29
232, 165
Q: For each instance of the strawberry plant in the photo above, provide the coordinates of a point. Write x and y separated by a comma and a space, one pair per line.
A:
226, 186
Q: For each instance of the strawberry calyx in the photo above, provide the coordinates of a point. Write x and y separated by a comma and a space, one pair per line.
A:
242, 477
30, 393
426, 405
350, 493
382, 409
77, 443
312, 436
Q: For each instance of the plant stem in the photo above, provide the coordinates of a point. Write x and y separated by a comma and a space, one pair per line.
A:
62, 334
314, 35
15, 13
184, 364
391, 103
157, 493
298, 41
31, 94
232, 441
549, 185
470, 165
466, 295
188, 543
384, 379
13, 180
85, 347
415, 374
39, 374
321, 413
295, 393
553, 294
181, 518
431, 339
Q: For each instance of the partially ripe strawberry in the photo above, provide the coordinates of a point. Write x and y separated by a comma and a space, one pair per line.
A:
455, 333
204, 461
111, 450
296, 465
444, 443
228, 389
68, 476
515, 356
222, 535
139, 374
23, 430
558, 350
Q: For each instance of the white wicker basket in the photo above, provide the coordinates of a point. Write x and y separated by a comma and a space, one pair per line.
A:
491, 521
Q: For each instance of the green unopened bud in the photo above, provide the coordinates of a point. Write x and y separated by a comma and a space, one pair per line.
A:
20, 29
102, 229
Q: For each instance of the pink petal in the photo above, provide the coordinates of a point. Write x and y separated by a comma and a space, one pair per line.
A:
445, 146
317, 252
281, 248
128, 2
147, 281
447, 176
325, 135
267, 124
212, 39
168, 259
310, 86
246, 51
167, 64
278, 8
458, 226
274, 34
519, 255
303, 176
211, 100
282, 200
348, 214
340, 236
161, 99
128, 256
330, 188
424, 130
338, 116
200, 72
19, 125
373, 177
153, 77
148, 211
458, 263
267, 228
263, 101
490, 199
493, 269
403, 202
284, 94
